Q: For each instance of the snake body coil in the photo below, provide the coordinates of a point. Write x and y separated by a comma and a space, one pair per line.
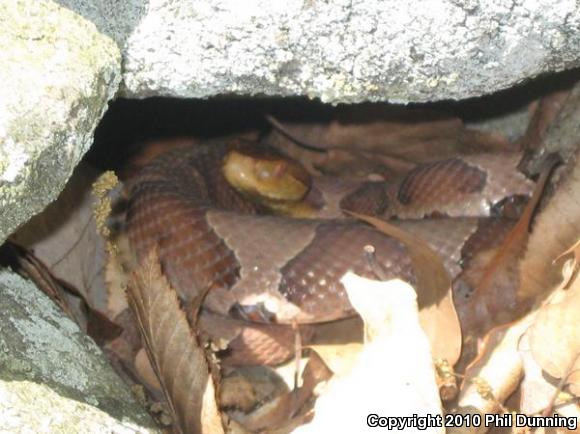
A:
211, 239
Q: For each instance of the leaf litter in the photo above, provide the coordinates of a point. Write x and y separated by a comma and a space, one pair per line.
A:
386, 358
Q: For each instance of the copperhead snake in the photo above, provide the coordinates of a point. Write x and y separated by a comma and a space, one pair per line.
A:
269, 269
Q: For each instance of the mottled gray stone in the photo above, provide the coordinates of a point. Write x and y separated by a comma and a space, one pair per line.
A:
52, 376
57, 74
114, 18
347, 50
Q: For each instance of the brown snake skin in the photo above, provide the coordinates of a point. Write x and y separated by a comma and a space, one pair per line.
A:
209, 238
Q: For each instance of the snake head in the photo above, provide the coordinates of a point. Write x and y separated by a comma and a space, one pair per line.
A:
272, 180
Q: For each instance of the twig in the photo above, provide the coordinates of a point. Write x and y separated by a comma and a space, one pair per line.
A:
376, 267
550, 407
297, 352
282, 130
391, 161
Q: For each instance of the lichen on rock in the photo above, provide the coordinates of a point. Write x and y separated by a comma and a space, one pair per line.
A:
57, 74
52, 374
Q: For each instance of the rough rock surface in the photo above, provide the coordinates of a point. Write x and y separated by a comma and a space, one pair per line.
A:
57, 73
52, 376
338, 50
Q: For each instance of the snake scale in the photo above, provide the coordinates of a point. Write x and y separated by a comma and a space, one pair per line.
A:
269, 270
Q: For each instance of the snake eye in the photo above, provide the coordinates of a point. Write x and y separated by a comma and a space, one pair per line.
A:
280, 169
267, 171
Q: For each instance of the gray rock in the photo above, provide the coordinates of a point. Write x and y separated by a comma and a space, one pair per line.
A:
114, 18
52, 376
347, 50
57, 74
62, 63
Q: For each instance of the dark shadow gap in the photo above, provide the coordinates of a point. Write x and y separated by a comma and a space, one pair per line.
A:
130, 121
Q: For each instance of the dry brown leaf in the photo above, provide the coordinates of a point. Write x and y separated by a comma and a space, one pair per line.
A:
354, 163
476, 140
65, 255
282, 410
554, 129
555, 226
64, 238
494, 299
237, 392
234, 427
559, 222
68, 298
348, 330
244, 339
371, 127
116, 275
174, 351
145, 152
546, 111
25, 263
145, 370
515, 240
258, 384
393, 375
436, 309
360, 137
275, 413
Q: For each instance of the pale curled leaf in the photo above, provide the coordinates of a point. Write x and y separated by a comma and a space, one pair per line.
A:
494, 375
571, 267
536, 392
394, 373
338, 343
339, 358
555, 335
177, 358
437, 312
381, 305
538, 395
573, 249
